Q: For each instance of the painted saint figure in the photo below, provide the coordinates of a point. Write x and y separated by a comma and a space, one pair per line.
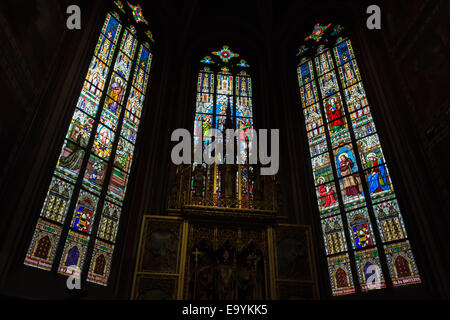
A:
335, 115
116, 95
327, 193
348, 72
352, 183
377, 179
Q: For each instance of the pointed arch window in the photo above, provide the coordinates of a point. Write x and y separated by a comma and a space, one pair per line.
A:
224, 101
77, 228
365, 238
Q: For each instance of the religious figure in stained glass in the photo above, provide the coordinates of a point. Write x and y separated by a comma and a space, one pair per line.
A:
112, 125
332, 56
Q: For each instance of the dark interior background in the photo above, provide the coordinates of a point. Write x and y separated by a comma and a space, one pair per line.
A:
405, 66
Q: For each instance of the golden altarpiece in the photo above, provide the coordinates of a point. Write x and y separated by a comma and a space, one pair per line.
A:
222, 237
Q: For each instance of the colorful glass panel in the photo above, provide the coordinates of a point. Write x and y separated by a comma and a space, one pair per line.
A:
243, 86
69, 162
390, 221
205, 103
324, 63
105, 50
57, 200
305, 73
135, 102
360, 228
328, 84
313, 117
333, 233
117, 186
104, 138
109, 222
144, 59
89, 99
42, 249
317, 141
327, 199
349, 73
362, 123
80, 128
343, 52
128, 44
124, 155
100, 265
401, 263
370, 151
74, 254
97, 73
370, 274
355, 97
90, 187
340, 275
348, 115
308, 94
111, 28
95, 173
84, 212
205, 82
322, 169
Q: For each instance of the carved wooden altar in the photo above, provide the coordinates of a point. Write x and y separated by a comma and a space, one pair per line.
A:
213, 246
185, 258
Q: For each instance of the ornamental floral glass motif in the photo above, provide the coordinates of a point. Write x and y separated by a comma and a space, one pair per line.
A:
224, 101
361, 221
77, 228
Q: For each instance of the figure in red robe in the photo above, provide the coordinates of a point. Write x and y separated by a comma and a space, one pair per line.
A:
327, 193
334, 115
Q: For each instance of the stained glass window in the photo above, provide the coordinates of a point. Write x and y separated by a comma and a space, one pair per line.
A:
82, 209
224, 101
364, 233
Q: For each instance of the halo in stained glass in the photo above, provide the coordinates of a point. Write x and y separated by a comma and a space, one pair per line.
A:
104, 138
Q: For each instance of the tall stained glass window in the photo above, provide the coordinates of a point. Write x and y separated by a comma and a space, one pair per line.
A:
224, 101
77, 228
365, 238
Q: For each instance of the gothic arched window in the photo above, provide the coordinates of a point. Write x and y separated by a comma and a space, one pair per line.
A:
362, 226
224, 101
86, 193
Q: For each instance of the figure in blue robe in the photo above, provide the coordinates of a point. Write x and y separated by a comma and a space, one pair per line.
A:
377, 179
